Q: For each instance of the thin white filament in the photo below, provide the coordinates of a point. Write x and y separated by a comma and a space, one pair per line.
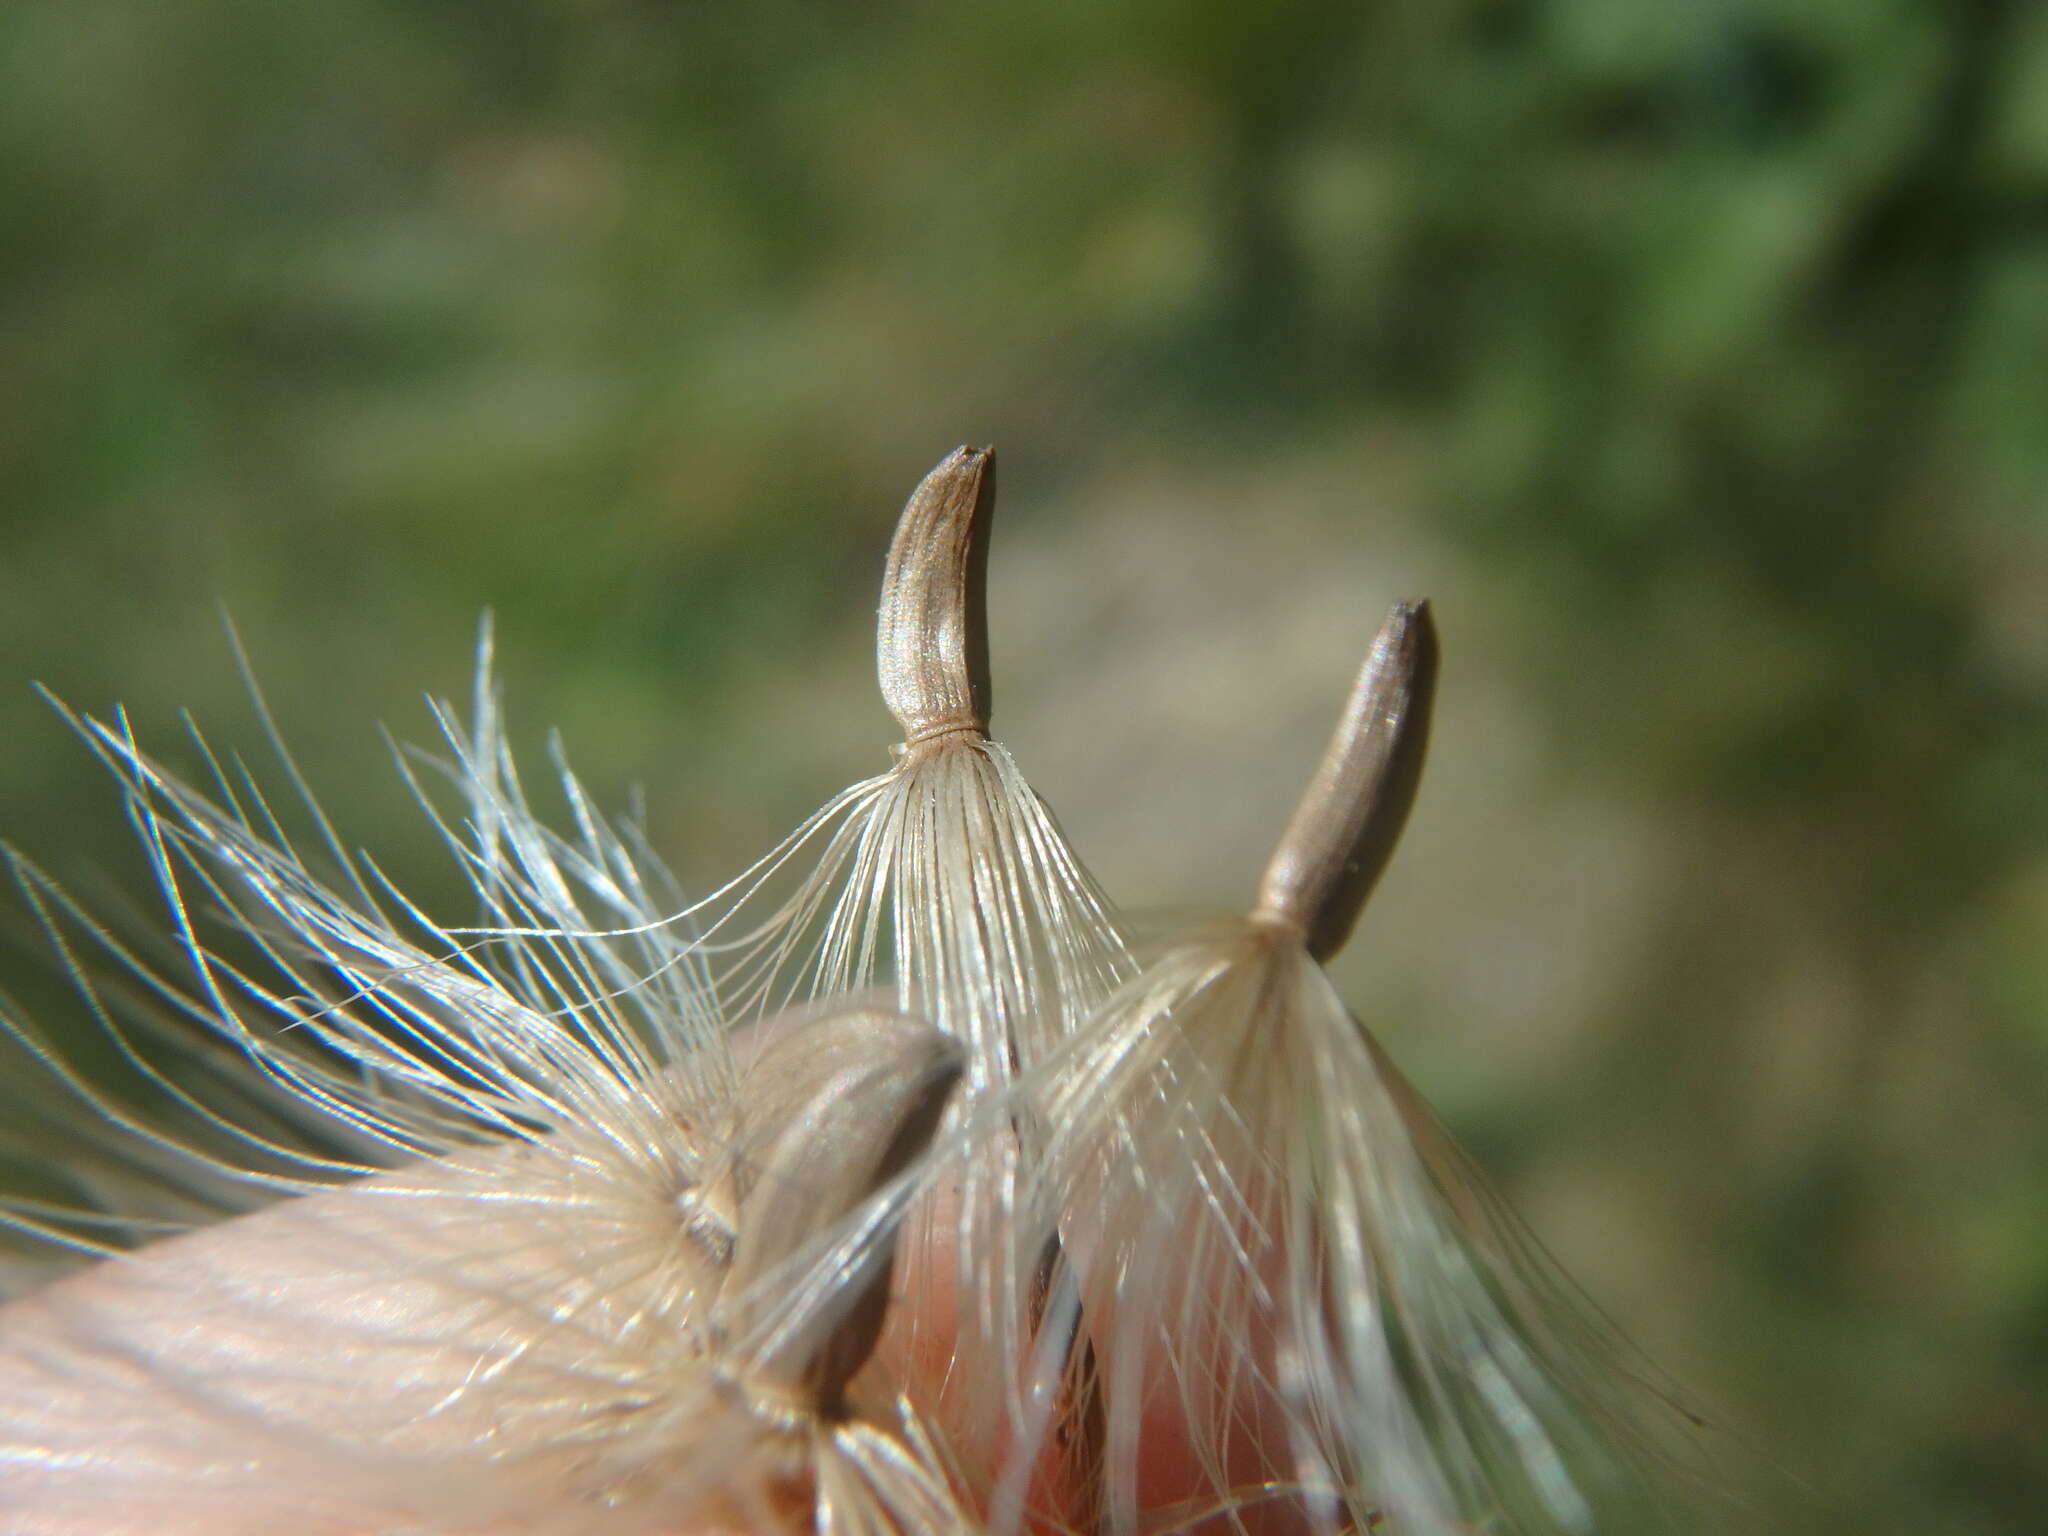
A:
1278, 1239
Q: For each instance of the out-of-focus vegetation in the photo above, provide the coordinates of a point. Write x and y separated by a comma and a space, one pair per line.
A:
1693, 356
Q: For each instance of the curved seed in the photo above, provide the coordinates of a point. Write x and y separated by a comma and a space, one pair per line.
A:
931, 647
848, 1101
1349, 818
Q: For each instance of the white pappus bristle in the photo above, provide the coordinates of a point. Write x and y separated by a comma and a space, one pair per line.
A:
1308, 1308
622, 1263
947, 886
583, 1212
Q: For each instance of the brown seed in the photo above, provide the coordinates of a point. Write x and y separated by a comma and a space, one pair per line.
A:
932, 642
1350, 817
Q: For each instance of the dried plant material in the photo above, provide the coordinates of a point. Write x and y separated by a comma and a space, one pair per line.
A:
621, 1274
1308, 1308
1182, 1251
946, 885
931, 650
1349, 819
945, 879
449, 1348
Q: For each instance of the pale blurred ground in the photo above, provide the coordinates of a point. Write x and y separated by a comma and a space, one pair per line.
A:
1689, 357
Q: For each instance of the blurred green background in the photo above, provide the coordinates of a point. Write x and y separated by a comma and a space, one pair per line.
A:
1692, 356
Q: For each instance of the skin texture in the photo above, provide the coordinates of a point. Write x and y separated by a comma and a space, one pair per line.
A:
457, 1348
308, 1358
313, 1367
1175, 1490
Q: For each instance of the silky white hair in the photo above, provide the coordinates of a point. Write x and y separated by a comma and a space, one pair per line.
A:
666, 1222
1206, 1248
1283, 1251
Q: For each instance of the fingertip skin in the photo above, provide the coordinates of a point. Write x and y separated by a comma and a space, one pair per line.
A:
431, 1349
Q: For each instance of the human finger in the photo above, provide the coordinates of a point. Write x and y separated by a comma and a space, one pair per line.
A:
451, 1348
